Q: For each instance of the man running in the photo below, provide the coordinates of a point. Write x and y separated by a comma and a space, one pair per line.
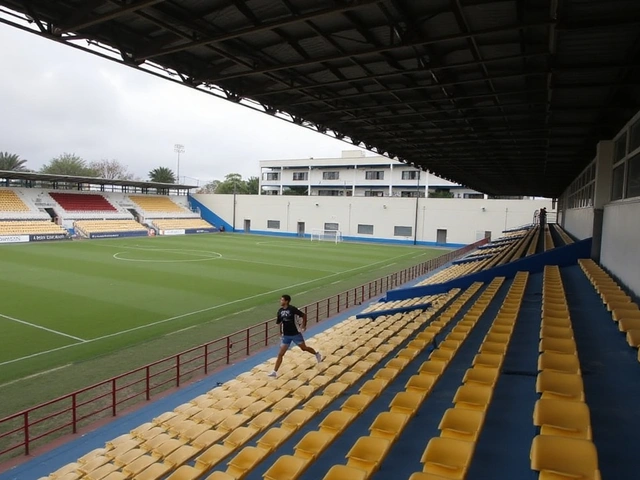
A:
286, 319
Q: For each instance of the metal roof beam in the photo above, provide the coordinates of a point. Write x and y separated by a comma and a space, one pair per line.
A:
86, 19
208, 75
263, 27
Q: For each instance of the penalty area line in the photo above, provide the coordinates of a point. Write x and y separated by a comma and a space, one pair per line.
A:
196, 312
50, 330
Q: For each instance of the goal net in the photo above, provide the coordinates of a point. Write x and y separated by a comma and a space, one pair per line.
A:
319, 235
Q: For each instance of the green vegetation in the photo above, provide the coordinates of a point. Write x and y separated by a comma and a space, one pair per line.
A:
99, 308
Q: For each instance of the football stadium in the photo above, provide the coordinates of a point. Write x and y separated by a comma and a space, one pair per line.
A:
489, 337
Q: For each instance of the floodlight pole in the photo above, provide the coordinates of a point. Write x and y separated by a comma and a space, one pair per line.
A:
415, 223
178, 148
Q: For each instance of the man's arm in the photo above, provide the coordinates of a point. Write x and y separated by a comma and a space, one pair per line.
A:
304, 319
279, 323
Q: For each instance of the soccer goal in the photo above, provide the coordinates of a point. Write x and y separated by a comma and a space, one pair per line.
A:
320, 235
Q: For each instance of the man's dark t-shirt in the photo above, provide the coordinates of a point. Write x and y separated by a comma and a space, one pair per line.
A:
287, 316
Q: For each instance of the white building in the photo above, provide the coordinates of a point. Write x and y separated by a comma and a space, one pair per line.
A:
354, 175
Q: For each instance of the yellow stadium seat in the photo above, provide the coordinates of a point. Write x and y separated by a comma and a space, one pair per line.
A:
626, 323
560, 386
343, 472
335, 389
388, 425
367, 454
245, 461
493, 347
490, 360
208, 438
626, 311
406, 402
481, 375
141, 464
356, 404
218, 475
374, 387
426, 476
556, 332
558, 345
562, 418
312, 445
461, 424
564, 458
185, 472
633, 338
286, 467
212, 456
473, 396
432, 367
448, 457
421, 384
559, 362
297, 419
317, 403
273, 438
335, 422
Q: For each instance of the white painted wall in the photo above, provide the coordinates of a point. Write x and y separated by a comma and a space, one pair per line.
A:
462, 219
620, 248
579, 222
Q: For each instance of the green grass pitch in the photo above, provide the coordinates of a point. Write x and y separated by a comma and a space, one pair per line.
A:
99, 308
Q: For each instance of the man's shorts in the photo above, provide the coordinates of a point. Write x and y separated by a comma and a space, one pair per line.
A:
296, 339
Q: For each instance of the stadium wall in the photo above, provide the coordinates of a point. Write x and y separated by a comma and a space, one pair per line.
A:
464, 220
579, 222
620, 235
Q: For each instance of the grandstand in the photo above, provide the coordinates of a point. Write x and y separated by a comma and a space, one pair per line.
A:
181, 223
93, 227
160, 207
30, 227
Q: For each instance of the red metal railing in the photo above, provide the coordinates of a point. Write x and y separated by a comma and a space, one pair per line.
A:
22, 432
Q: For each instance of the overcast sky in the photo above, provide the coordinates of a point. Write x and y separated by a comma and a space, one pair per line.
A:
55, 99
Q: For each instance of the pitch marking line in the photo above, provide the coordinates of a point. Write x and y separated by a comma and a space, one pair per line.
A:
50, 330
188, 314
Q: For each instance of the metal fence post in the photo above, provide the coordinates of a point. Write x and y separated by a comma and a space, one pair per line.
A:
206, 358
148, 382
74, 414
113, 397
248, 348
228, 349
26, 433
178, 370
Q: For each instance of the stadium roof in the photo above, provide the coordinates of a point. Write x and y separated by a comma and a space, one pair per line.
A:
505, 96
44, 177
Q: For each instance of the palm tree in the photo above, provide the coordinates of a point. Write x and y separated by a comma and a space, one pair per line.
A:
162, 175
11, 161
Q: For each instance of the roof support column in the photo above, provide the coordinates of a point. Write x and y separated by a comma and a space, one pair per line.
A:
602, 193
391, 180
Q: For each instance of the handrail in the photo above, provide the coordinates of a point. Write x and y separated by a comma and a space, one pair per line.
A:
35, 427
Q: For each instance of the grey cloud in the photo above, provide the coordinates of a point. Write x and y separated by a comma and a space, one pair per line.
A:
58, 99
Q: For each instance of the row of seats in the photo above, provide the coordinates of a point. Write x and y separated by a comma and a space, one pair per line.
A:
533, 246
10, 202
517, 251
623, 309
548, 239
108, 226
449, 455
30, 227
87, 202
181, 224
368, 452
563, 235
380, 306
156, 204
563, 449
214, 425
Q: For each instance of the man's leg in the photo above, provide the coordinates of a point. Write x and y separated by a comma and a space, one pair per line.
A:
305, 348
283, 350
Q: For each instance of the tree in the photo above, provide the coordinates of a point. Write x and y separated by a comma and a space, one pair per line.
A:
69, 164
112, 170
233, 183
13, 162
441, 194
209, 187
295, 191
162, 175
253, 185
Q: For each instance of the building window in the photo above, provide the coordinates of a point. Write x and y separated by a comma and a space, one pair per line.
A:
374, 175
330, 193
271, 192
633, 177
274, 224
476, 196
330, 175
410, 175
620, 148
634, 136
365, 229
412, 194
617, 189
402, 231
332, 226
272, 176
300, 176
373, 193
